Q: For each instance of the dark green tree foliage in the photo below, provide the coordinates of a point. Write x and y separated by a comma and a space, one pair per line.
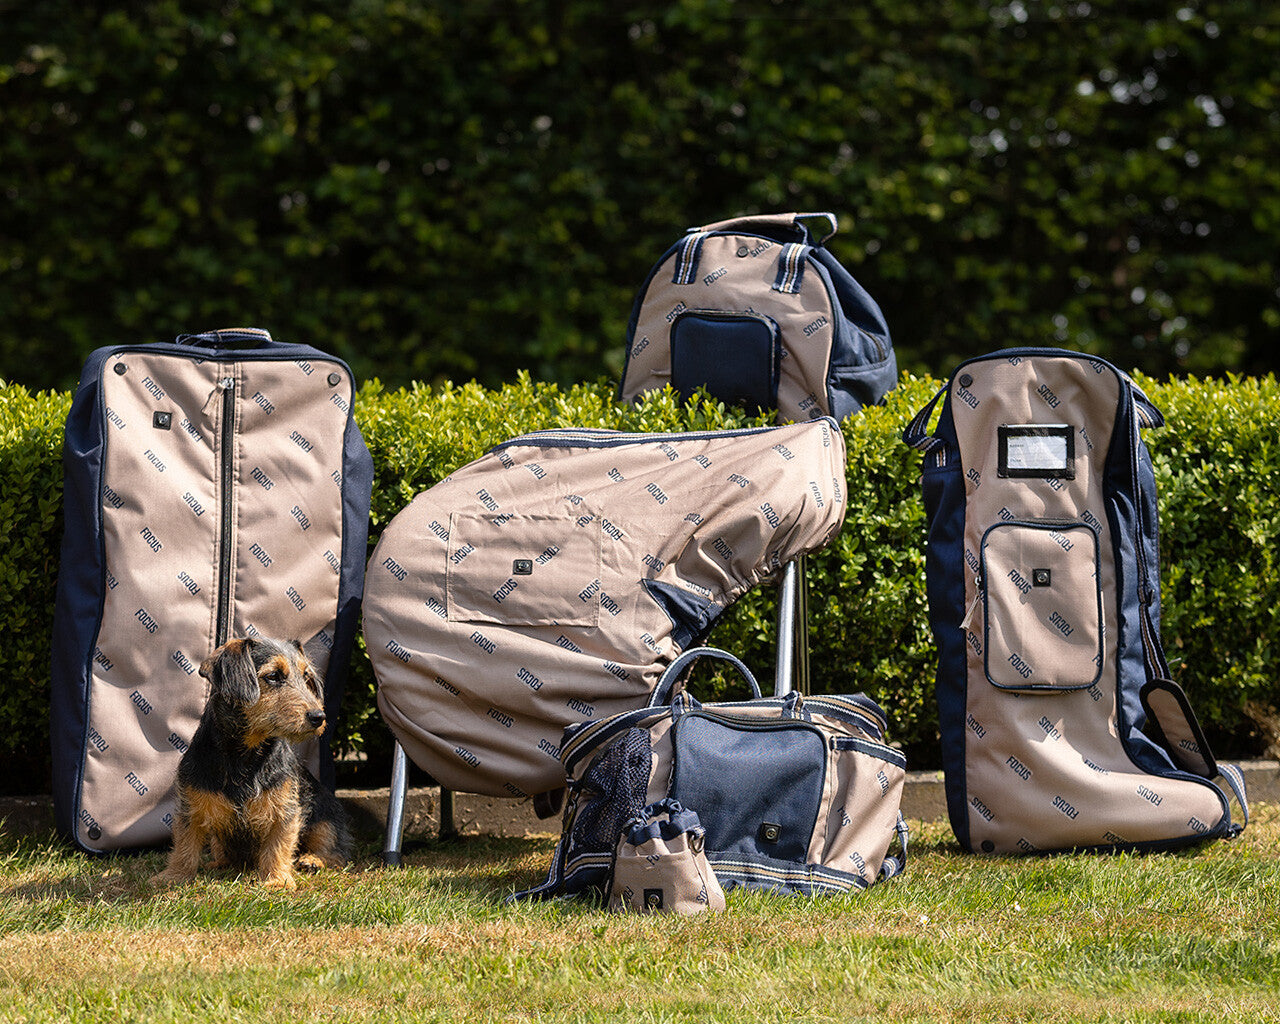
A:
452, 190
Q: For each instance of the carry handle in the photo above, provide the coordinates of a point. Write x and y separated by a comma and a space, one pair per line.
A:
227, 337
916, 433
1148, 414
774, 221
662, 692
1173, 725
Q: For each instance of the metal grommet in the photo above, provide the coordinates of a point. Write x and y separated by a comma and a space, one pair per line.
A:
743, 251
966, 381
95, 833
120, 369
334, 380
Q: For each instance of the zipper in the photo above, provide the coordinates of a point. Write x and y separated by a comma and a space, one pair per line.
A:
223, 625
599, 437
731, 316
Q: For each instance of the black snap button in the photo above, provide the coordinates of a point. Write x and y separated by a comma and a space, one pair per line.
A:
988, 846
334, 380
522, 567
162, 420
966, 381
120, 369
1041, 577
95, 833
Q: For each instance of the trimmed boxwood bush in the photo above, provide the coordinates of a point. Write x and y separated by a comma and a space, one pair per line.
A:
1217, 460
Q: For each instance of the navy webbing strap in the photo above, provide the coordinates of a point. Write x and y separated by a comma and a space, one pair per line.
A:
687, 257
790, 268
916, 434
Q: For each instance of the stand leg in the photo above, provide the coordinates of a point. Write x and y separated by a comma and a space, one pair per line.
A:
395, 807
448, 828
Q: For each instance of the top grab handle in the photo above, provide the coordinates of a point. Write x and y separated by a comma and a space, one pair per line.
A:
776, 222
227, 337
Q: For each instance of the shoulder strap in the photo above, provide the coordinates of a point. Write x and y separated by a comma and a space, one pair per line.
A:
916, 434
896, 864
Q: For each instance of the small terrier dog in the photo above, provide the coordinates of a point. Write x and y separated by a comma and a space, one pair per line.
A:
241, 790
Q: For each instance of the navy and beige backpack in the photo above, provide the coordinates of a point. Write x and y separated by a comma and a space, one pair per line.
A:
758, 311
1061, 728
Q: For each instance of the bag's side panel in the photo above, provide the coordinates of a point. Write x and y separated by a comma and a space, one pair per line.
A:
863, 366
948, 575
357, 489
78, 604
160, 533
865, 781
1048, 770
737, 272
679, 527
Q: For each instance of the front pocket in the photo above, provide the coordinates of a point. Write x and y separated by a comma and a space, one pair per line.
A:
523, 570
736, 356
1043, 605
756, 786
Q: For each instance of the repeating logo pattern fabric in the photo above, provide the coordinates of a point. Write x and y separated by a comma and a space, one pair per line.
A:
551, 580
222, 513
1045, 765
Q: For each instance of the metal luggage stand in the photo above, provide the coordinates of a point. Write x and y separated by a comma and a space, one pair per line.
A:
791, 673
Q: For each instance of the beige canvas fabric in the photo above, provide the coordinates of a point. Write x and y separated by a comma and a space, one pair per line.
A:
550, 581
664, 875
737, 272
162, 517
1045, 765
857, 814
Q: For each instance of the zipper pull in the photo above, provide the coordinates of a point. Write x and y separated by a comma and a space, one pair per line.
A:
973, 605
226, 385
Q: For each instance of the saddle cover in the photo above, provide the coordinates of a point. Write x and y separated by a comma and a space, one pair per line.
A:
550, 581
1060, 725
756, 310
215, 487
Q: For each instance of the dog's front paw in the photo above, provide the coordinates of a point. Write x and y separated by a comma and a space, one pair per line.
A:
287, 881
169, 877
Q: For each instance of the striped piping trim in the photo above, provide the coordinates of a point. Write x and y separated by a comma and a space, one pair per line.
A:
808, 878
599, 437
687, 258
790, 268
877, 750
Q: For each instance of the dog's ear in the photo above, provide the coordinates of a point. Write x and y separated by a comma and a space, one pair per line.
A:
231, 672
311, 677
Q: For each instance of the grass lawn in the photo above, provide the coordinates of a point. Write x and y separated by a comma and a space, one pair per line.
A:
1176, 937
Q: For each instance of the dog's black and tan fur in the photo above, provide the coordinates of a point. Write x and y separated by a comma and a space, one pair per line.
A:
242, 792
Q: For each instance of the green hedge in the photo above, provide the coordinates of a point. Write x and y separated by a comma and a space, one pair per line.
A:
398, 180
1218, 463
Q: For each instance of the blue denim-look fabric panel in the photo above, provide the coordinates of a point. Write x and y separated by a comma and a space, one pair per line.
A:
742, 779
